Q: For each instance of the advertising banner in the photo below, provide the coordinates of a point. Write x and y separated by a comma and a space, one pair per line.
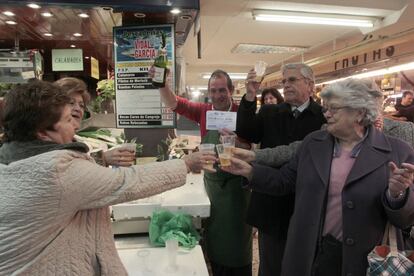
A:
138, 103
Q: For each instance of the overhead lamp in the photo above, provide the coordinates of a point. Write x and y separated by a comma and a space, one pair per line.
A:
248, 48
233, 76
198, 88
48, 34
313, 18
72, 46
175, 11
46, 14
83, 15
77, 34
8, 13
33, 6
195, 93
11, 22
375, 73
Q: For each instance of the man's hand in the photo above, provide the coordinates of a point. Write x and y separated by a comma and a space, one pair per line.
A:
119, 157
252, 86
400, 178
197, 161
239, 167
246, 155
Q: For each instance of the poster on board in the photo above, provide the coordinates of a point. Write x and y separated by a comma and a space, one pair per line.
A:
138, 102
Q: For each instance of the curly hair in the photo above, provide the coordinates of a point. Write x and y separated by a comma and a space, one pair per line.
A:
32, 107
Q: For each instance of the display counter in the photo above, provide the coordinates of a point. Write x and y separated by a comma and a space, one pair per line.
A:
191, 198
140, 259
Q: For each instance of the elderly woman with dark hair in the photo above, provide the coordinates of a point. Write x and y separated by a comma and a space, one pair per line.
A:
54, 215
271, 96
77, 90
349, 181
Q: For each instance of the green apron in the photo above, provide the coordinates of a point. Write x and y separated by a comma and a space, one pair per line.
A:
228, 237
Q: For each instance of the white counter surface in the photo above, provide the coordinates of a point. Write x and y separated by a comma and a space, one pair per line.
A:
190, 198
190, 262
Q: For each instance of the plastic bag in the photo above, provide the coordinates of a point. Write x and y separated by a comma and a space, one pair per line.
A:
166, 225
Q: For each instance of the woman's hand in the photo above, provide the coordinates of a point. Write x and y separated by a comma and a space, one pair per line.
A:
119, 157
239, 167
246, 155
197, 161
400, 178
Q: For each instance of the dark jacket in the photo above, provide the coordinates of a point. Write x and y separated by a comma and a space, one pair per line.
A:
365, 210
274, 125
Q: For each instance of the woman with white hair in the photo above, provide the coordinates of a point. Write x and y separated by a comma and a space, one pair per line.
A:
349, 181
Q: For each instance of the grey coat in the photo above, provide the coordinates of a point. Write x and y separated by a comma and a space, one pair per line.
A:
277, 156
365, 210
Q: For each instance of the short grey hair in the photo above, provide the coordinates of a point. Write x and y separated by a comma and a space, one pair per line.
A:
357, 94
305, 70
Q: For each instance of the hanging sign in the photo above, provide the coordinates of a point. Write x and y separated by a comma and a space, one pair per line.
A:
94, 68
67, 60
138, 102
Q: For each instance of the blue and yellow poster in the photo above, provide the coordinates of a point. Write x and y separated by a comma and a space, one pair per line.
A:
138, 103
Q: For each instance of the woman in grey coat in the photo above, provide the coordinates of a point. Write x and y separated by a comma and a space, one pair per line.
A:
349, 181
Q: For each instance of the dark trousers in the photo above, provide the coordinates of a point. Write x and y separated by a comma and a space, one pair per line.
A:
220, 270
271, 248
328, 260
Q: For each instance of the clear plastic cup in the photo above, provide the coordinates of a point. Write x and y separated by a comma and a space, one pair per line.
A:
207, 148
132, 147
260, 68
143, 255
172, 250
224, 153
228, 140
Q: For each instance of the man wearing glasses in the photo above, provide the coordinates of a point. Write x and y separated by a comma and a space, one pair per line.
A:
276, 125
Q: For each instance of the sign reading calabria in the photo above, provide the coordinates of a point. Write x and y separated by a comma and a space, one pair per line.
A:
138, 103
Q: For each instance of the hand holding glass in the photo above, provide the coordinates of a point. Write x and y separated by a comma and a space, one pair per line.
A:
260, 68
224, 153
204, 149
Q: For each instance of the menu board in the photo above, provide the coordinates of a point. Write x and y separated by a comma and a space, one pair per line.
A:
138, 102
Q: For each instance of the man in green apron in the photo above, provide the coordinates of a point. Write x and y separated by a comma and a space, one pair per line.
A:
228, 238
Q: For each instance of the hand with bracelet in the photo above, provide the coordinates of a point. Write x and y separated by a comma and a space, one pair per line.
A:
400, 179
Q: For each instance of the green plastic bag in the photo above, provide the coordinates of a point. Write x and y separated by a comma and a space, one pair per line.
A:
166, 225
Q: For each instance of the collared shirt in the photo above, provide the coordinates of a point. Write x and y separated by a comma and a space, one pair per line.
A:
302, 107
355, 151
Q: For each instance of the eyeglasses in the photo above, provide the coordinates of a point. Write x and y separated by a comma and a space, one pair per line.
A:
332, 109
291, 80
80, 104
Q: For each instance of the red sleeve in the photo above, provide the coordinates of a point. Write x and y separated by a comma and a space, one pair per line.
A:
191, 110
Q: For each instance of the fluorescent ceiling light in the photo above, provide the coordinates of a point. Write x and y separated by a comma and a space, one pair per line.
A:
8, 13
313, 18
77, 34
33, 6
46, 14
11, 22
233, 76
175, 11
248, 48
48, 34
375, 73
72, 46
198, 88
196, 93
83, 15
